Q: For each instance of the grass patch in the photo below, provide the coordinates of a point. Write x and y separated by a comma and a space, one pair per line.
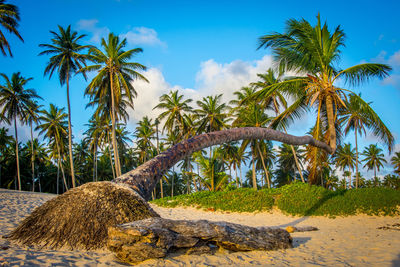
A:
295, 199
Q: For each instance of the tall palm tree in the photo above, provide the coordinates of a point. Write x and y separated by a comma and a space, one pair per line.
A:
174, 107
32, 117
374, 158
346, 157
253, 115
273, 100
286, 171
5, 140
53, 124
67, 58
115, 75
314, 50
17, 102
395, 160
144, 134
212, 114
9, 17
358, 115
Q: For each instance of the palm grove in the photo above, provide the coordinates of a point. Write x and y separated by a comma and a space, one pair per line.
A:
276, 100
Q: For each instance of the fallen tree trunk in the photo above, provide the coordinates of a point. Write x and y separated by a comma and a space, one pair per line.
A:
156, 237
144, 178
80, 217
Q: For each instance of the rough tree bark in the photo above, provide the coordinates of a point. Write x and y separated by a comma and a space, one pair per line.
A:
144, 178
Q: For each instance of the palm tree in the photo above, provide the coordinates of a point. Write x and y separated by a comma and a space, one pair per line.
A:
395, 160
286, 171
17, 102
273, 100
53, 124
346, 158
5, 140
32, 117
144, 133
211, 114
313, 51
115, 74
374, 158
357, 116
67, 59
9, 17
253, 116
174, 108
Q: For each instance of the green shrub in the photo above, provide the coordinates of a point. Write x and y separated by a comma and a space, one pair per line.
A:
239, 200
296, 199
303, 199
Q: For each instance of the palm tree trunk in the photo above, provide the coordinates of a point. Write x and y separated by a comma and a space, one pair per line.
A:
111, 161
374, 170
331, 123
237, 178
62, 168
58, 178
71, 160
94, 164
357, 177
17, 153
114, 139
265, 168
254, 168
350, 178
32, 162
296, 160
145, 177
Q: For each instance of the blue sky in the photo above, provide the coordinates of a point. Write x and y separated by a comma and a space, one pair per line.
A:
204, 47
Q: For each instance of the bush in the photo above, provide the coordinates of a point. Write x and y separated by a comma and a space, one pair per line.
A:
296, 199
239, 200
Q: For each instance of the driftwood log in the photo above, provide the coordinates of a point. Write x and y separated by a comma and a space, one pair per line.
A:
156, 237
80, 217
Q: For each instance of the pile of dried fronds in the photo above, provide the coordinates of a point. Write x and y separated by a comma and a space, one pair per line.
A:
80, 217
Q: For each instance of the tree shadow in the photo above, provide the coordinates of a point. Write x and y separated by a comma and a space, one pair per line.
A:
325, 198
298, 241
396, 262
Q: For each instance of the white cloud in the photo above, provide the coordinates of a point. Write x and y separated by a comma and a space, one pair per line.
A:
143, 36
212, 78
136, 36
394, 59
90, 25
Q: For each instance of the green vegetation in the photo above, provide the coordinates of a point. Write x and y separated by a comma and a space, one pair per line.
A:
295, 199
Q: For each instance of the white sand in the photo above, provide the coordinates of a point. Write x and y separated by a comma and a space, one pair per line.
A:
348, 241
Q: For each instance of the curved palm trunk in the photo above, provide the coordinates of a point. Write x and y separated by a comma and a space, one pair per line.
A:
71, 160
253, 162
32, 162
144, 178
114, 139
17, 152
331, 123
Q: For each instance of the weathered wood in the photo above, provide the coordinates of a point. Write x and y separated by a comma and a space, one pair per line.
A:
144, 178
156, 237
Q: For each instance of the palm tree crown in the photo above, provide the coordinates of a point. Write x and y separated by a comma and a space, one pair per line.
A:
314, 51
9, 17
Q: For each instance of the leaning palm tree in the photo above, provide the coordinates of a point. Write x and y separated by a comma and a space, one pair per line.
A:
66, 59
81, 216
373, 158
17, 102
313, 51
9, 17
346, 157
115, 75
395, 160
359, 116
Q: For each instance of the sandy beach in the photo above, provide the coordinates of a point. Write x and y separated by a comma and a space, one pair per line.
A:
342, 241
